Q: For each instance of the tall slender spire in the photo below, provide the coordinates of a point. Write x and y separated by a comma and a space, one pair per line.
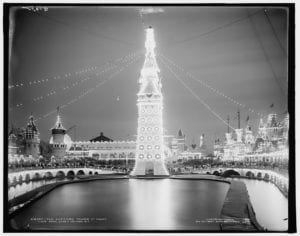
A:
149, 80
58, 123
239, 118
228, 118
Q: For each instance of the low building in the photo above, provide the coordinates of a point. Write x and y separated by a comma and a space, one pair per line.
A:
102, 148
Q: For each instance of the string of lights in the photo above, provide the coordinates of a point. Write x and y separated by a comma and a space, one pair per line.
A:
216, 91
76, 99
274, 32
216, 28
85, 30
194, 94
74, 84
77, 83
282, 86
70, 75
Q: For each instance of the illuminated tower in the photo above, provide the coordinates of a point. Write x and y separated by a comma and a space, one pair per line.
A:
150, 142
57, 140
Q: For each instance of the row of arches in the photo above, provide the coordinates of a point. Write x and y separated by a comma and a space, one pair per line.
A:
48, 175
249, 174
279, 182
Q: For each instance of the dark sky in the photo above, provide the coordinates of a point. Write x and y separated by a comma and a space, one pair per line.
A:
243, 58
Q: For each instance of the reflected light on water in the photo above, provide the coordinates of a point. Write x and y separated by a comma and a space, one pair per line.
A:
151, 206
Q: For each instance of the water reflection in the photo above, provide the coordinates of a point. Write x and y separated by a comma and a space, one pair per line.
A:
151, 206
270, 205
128, 204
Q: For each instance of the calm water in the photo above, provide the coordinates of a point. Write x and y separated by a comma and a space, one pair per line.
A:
270, 205
163, 204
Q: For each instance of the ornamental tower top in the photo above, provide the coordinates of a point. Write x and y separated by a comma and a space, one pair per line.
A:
149, 81
58, 127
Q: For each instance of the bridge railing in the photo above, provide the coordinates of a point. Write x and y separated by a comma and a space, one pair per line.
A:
279, 170
15, 170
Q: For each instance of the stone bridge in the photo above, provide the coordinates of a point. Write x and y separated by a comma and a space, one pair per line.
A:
280, 180
30, 175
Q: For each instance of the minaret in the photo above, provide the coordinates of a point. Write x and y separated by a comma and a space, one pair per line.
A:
58, 138
150, 142
249, 138
228, 134
202, 146
239, 131
201, 141
32, 140
262, 129
181, 141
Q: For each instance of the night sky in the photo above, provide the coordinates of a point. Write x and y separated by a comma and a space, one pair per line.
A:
243, 57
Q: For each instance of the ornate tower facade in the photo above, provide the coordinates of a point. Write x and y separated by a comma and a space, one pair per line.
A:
58, 138
150, 141
181, 141
32, 140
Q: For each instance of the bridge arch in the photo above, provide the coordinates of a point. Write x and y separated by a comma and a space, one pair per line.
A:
230, 172
80, 172
259, 175
36, 176
71, 174
250, 174
48, 175
20, 179
60, 174
267, 177
27, 178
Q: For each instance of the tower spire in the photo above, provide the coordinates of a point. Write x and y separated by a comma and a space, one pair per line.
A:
228, 118
239, 119
58, 123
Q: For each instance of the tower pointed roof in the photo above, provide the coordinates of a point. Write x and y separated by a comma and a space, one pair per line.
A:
58, 124
261, 123
150, 82
31, 127
180, 134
